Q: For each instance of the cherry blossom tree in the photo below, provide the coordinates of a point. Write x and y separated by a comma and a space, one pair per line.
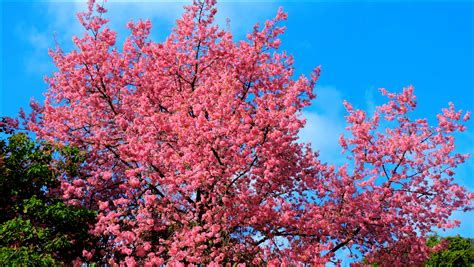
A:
193, 153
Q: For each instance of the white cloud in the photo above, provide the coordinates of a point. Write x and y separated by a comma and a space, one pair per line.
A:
369, 100
60, 27
324, 124
63, 22
35, 59
243, 15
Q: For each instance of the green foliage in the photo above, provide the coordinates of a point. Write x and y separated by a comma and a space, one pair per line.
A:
460, 252
23, 256
36, 227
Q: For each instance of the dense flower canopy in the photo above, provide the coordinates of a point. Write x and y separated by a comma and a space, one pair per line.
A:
192, 153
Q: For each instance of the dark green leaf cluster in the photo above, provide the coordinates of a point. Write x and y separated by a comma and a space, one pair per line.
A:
460, 252
36, 227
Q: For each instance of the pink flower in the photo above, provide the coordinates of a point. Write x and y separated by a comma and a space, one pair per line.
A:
130, 261
86, 254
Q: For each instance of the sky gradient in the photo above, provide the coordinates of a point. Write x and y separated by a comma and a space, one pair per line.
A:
361, 46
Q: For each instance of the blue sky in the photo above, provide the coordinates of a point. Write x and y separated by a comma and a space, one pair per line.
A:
361, 46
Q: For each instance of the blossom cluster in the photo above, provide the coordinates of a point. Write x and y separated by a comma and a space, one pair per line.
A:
192, 153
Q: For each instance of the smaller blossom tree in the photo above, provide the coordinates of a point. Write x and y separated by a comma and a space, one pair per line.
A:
192, 153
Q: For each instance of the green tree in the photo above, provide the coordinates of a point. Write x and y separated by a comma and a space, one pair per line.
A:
460, 252
36, 227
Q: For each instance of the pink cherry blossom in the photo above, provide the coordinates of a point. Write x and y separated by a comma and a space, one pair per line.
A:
192, 152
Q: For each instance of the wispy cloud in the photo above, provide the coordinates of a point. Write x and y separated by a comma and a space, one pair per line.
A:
35, 59
63, 22
324, 124
369, 100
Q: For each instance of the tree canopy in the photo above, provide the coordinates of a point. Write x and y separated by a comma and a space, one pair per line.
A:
459, 251
36, 227
193, 154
